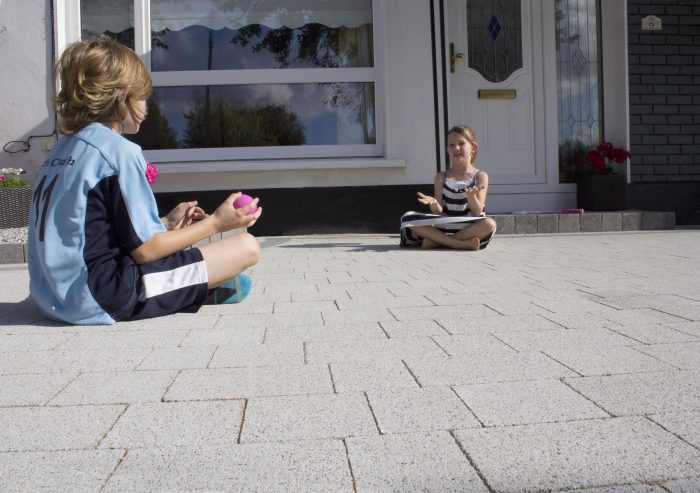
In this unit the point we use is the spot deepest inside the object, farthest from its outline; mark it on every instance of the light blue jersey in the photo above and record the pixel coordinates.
(92, 205)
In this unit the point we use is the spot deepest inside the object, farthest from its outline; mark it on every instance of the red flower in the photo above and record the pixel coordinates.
(601, 158)
(596, 160)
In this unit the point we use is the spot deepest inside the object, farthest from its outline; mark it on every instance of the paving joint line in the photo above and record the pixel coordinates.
(452, 388)
(471, 462)
(347, 458)
(374, 416)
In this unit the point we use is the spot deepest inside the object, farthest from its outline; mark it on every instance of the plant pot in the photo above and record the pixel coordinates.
(601, 193)
(14, 206)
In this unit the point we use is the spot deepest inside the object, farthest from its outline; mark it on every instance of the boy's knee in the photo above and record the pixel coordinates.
(252, 247)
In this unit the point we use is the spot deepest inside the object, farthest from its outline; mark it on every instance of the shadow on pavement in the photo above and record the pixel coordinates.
(25, 312)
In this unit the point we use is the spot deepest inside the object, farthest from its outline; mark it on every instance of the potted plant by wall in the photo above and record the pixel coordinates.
(15, 198)
(600, 187)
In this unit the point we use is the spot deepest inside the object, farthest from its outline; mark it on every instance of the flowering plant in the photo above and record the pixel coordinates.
(600, 160)
(9, 177)
(151, 172)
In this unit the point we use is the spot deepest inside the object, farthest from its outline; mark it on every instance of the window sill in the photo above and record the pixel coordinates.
(279, 165)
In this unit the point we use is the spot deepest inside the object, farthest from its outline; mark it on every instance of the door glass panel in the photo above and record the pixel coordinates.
(114, 18)
(260, 34)
(578, 83)
(494, 33)
(340, 113)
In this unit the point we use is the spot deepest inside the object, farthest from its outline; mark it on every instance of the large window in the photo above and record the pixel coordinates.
(578, 83)
(250, 79)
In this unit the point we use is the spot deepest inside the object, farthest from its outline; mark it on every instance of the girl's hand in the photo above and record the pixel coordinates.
(228, 218)
(472, 191)
(427, 199)
(183, 215)
(432, 202)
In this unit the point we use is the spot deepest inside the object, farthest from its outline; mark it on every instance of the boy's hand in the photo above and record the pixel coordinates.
(183, 215)
(227, 217)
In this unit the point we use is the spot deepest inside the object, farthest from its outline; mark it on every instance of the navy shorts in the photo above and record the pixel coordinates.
(177, 283)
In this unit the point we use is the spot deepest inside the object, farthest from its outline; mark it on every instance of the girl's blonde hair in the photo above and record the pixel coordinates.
(468, 134)
(101, 81)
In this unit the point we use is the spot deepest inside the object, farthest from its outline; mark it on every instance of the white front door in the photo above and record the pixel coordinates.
(496, 84)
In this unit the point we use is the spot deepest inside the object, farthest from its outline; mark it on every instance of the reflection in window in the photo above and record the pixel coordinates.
(259, 115)
(495, 38)
(578, 83)
(195, 107)
(114, 18)
(260, 34)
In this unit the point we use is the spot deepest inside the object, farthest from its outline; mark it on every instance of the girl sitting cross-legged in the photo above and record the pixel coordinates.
(458, 214)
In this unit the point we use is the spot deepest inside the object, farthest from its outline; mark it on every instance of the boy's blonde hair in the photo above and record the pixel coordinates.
(101, 81)
(468, 134)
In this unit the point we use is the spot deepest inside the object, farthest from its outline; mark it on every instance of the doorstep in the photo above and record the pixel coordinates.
(584, 222)
(13, 253)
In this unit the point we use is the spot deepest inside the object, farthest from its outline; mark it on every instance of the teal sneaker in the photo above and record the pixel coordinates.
(232, 291)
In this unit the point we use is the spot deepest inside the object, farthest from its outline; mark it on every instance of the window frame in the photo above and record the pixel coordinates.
(68, 21)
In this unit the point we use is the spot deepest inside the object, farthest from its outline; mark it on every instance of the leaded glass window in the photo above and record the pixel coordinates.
(495, 38)
(578, 83)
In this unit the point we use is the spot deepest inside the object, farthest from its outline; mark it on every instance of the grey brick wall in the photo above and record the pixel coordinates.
(664, 78)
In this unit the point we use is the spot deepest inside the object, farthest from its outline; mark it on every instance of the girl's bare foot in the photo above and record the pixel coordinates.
(470, 244)
(428, 244)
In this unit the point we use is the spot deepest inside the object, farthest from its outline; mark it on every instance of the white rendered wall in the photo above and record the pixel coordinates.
(25, 81)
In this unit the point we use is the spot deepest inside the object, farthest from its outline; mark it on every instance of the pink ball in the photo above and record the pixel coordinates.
(244, 200)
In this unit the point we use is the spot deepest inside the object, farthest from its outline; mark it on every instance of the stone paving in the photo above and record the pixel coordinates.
(544, 363)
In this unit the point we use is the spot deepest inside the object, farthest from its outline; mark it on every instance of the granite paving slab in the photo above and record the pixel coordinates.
(578, 454)
(564, 338)
(688, 485)
(178, 358)
(309, 465)
(242, 354)
(62, 470)
(368, 375)
(537, 401)
(275, 419)
(338, 331)
(485, 368)
(176, 424)
(622, 488)
(372, 349)
(606, 361)
(430, 462)
(654, 334)
(114, 387)
(691, 328)
(642, 393)
(683, 425)
(34, 389)
(406, 410)
(684, 355)
(507, 323)
(220, 336)
(236, 383)
(55, 428)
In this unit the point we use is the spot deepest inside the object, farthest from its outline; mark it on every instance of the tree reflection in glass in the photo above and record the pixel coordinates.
(259, 115)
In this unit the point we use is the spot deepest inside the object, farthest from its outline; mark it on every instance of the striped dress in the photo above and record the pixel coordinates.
(455, 216)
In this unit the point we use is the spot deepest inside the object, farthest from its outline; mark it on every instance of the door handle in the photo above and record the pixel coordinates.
(454, 57)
